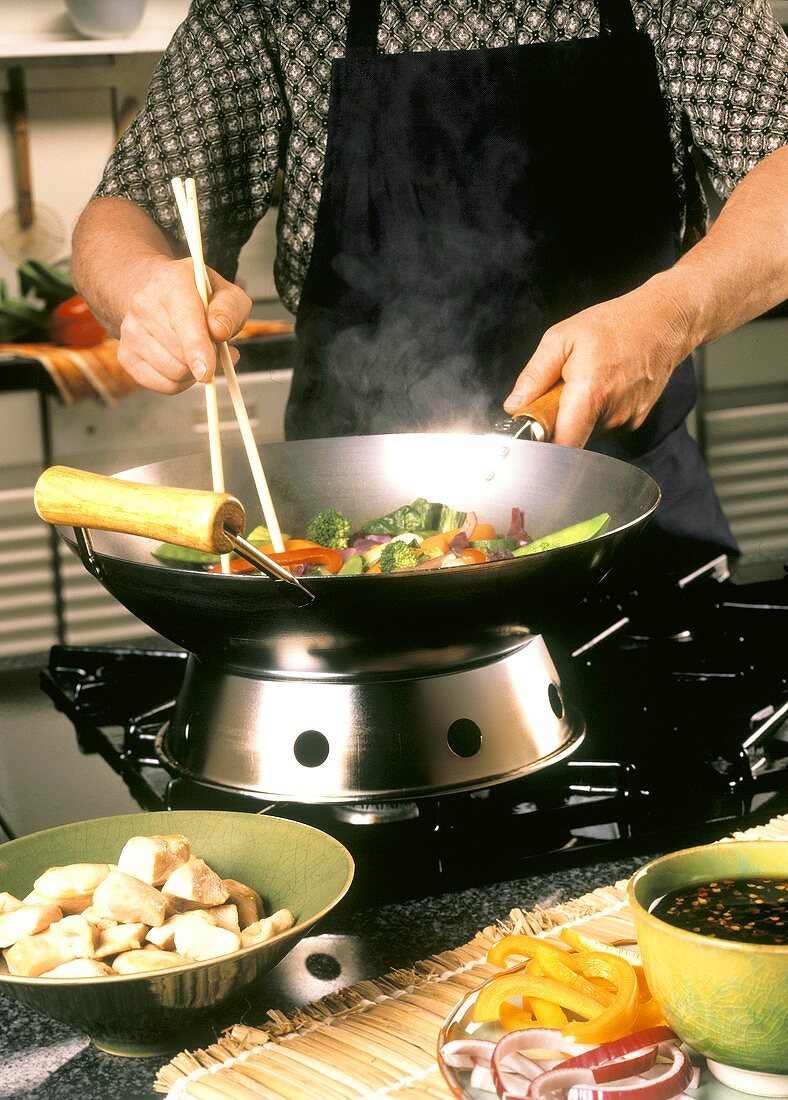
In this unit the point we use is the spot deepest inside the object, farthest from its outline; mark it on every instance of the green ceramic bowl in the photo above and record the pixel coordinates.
(728, 1000)
(293, 866)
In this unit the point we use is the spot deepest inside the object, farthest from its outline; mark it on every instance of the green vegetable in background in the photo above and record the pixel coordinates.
(420, 516)
(51, 284)
(353, 566)
(184, 555)
(398, 555)
(489, 546)
(330, 529)
(27, 319)
(567, 536)
(261, 536)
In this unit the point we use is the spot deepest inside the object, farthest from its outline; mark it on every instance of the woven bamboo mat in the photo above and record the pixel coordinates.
(377, 1039)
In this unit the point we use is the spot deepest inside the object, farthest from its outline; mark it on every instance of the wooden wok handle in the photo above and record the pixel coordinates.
(544, 410)
(186, 517)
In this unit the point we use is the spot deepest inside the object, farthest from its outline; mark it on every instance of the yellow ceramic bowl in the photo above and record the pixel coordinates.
(728, 1000)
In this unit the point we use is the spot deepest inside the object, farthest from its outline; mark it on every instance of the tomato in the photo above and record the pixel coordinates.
(73, 325)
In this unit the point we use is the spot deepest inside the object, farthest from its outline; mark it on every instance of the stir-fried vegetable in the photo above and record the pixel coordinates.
(330, 528)
(421, 535)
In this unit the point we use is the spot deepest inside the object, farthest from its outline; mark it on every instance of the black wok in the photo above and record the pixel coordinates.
(386, 625)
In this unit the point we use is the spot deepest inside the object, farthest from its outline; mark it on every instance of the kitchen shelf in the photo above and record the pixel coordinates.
(43, 30)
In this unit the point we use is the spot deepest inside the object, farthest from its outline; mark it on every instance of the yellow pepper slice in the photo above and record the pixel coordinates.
(547, 1014)
(501, 989)
(619, 1017)
(554, 962)
(582, 942)
(649, 1015)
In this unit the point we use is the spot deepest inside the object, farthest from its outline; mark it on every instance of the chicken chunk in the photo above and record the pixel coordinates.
(226, 916)
(35, 955)
(135, 962)
(267, 928)
(198, 940)
(194, 886)
(152, 859)
(164, 937)
(80, 934)
(129, 901)
(80, 968)
(119, 938)
(8, 902)
(26, 921)
(246, 899)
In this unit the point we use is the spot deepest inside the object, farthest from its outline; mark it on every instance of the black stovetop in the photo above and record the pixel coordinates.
(684, 687)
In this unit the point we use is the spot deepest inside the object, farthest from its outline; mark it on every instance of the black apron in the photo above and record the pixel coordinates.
(470, 200)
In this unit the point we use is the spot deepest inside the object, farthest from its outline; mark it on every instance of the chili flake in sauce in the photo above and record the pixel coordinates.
(750, 910)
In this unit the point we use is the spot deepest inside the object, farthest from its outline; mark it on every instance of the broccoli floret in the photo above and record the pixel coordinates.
(398, 555)
(330, 528)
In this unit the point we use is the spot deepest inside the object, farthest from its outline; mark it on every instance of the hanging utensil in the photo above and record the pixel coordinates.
(29, 230)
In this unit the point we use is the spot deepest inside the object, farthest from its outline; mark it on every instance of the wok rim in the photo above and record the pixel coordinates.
(620, 530)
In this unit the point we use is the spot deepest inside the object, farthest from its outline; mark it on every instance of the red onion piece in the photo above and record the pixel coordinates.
(695, 1079)
(619, 1048)
(630, 1065)
(469, 526)
(467, 1053)
(560, 1080)
(511, 1070)
(433, 563)
(672, 1080)
(459, 543)
(481, 1078)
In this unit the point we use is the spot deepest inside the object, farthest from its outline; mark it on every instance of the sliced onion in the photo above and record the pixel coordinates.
(481, 1078)
(672, 1080)
(560, 1080)
(450, 561)
(467, 1053)
(469, 526)
(511, 1070)
(630, 1065)
(620, 1048)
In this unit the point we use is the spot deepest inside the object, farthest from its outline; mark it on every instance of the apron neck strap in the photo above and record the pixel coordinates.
(615, 17)
(362, 26)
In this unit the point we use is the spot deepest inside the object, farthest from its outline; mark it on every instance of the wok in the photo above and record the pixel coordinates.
(380, 625)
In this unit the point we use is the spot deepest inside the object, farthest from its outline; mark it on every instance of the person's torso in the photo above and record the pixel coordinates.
(311, 37)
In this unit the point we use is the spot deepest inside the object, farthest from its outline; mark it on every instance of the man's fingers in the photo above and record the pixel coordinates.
(541, 372)
(228, 309)
(187, 318)
(577, 416)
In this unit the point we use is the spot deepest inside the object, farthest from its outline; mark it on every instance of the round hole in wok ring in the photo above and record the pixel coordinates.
(385, 624)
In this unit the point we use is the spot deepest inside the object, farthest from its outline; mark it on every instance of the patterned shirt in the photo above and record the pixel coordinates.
(243, 89)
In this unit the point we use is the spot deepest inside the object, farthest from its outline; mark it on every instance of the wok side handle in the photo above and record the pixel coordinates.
(186, 517)
(537, 419)
(196, 518)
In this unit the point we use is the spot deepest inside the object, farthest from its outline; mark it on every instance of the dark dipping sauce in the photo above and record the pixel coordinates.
(749, 910)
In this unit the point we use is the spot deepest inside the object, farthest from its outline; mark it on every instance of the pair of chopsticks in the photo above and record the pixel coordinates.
(186, 198)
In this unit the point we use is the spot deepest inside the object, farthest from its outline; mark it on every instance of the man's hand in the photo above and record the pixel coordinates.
(616, 358)
(166, 342)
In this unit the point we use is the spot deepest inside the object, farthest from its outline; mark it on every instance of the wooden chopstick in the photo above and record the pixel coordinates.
(194, 238)
(211, 401)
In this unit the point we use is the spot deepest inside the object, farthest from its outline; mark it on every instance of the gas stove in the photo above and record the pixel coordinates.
(683, 685)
